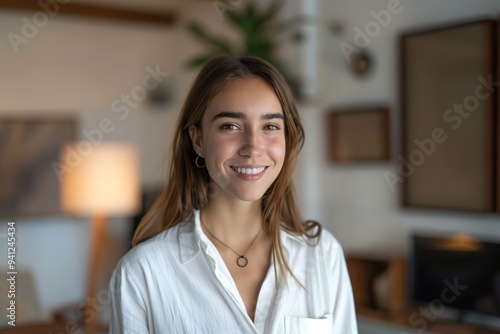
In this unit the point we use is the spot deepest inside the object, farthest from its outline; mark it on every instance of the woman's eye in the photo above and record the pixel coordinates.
(272, 127)
(229, 126)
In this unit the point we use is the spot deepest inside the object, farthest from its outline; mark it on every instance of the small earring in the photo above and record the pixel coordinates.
(197, 163)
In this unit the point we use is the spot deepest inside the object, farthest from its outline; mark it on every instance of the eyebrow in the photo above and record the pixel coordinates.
(240, 115)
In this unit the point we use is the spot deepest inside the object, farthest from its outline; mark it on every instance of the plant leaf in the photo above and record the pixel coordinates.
(235, 17)
(245, 19)
(196, 30)
(215, 43)
(270, 13)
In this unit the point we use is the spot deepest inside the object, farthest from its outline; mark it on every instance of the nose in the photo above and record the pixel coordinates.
(252, 145)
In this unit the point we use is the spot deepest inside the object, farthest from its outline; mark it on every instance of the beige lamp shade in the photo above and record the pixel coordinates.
(101, 179)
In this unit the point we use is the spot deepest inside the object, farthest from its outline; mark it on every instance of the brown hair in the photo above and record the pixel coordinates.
(187, 189)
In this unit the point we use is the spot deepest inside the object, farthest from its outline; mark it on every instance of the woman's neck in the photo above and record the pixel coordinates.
(232, 222)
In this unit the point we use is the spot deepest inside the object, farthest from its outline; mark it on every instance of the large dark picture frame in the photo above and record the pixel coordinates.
(28, 148)
(497, 115)
(449, 124)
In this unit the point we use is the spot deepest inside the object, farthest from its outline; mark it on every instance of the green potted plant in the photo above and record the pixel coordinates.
(262, 33)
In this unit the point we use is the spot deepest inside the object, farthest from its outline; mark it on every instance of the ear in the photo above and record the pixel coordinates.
(195, 134)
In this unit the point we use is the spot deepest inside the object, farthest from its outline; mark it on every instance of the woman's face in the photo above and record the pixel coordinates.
(242, 140)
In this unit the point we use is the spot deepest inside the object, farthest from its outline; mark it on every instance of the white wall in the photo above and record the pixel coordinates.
(79, 67)
(354, 202)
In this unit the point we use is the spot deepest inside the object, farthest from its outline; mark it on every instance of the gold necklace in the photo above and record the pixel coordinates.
(242, 260)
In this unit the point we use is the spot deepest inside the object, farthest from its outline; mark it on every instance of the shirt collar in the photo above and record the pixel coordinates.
(192, 238)
(284, 235)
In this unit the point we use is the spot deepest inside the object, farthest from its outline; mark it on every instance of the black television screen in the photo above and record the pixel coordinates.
(458, 272)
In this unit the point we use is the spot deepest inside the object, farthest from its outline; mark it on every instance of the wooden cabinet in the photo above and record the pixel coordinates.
(369, 274)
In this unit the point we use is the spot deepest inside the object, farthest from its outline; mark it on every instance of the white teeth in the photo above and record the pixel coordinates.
(252, 171)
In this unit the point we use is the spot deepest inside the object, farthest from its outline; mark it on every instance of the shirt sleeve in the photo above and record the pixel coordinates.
(128, 310)
(344, 314)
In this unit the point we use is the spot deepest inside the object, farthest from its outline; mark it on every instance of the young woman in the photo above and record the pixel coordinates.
(223, 249)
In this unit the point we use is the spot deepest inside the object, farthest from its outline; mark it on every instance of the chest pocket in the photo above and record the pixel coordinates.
(297, 325)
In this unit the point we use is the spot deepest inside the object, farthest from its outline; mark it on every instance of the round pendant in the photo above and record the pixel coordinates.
(242, 261)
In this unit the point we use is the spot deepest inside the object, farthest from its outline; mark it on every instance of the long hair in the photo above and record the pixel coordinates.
(187, 189)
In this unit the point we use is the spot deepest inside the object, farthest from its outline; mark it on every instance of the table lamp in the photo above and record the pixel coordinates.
(99, 181)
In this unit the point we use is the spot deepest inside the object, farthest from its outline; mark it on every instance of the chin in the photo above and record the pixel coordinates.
(250, 196)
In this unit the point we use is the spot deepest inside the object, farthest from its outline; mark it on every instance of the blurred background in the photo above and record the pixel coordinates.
(401, 151)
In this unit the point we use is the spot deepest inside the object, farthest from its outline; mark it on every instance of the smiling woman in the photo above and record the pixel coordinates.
(224, 249)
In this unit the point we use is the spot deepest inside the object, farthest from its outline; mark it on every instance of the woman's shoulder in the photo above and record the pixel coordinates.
(328, 239)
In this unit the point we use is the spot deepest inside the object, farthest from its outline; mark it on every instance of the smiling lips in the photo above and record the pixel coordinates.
(249, 174)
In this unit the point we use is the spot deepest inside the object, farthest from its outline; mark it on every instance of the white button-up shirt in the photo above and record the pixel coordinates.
(177, 282)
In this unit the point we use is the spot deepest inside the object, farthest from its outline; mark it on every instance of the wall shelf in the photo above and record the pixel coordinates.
(93, 11)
